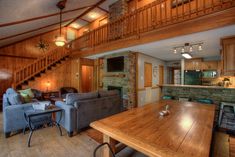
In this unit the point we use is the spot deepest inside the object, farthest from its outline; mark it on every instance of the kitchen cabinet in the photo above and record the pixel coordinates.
(228, 56)
(210, 65)
(193, 64)
(198, 64)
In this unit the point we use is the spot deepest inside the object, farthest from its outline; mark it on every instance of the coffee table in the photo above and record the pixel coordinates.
(37, 118)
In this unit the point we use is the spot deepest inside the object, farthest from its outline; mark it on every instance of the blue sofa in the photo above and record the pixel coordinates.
(80, 109)
(13, 112)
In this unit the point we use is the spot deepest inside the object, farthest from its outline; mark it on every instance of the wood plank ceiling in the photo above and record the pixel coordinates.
(23, 19)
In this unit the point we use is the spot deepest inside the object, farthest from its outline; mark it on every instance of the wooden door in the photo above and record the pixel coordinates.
(147, 75)
(161, 74)
(87, 78)
(228, 56)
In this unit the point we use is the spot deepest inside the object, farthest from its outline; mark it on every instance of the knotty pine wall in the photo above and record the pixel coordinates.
(19, 54)
(64, 75)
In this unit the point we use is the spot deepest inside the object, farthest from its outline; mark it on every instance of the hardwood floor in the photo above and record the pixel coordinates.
(47, 143)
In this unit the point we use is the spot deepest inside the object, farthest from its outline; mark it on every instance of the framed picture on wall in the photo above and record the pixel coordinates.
(176, 3)
(155, 71)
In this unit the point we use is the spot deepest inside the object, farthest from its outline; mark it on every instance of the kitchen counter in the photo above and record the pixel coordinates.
(196, 86)
(194, 92)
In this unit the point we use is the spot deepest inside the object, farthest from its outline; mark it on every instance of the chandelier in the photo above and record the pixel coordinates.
(60, 40)
(187, 49)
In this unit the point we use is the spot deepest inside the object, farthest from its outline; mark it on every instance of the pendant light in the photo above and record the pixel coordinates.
(60, 40)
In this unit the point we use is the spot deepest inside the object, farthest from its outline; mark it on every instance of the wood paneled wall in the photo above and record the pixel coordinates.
(91, 26)
(64, 75)
(25, 52)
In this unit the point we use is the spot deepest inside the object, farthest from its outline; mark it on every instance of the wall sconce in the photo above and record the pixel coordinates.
(48, 84)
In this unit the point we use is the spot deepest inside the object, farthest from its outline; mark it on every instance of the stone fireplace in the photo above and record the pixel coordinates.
(116, 88)
(124, 81)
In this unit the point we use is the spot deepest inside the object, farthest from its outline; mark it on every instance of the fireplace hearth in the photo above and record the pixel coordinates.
(116, 88)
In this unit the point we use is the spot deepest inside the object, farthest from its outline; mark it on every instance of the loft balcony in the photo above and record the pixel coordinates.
(155, 21)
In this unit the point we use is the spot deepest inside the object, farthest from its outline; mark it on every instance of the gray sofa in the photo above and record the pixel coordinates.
(80, 109)
(13, 111)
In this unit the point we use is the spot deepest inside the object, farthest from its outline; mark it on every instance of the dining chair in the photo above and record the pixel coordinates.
(102, 145)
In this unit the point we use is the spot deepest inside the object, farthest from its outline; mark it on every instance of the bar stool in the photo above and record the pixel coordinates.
(223, 104)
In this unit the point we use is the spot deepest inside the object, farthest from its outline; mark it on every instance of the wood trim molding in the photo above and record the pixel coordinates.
(86, 11)
(41, 17)
(14, 56)
(143, 89)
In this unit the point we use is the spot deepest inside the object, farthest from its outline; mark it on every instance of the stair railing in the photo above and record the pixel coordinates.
(155, 15)
(28, 71)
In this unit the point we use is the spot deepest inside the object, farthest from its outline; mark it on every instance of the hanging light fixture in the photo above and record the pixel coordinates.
(188, 49)
(60, 40)
(200, 47)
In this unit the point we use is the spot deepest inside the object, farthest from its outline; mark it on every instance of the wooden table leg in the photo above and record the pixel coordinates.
(111, 142)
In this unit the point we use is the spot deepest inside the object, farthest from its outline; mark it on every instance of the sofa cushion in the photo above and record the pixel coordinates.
(105, 93)
(72, 97)
(14, 99)
(27, 95)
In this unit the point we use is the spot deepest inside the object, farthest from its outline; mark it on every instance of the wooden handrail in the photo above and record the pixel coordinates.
(155, 15)
(28, 71)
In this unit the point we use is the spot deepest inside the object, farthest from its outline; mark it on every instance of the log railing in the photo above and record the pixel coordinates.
(23, 74)
(153, 16)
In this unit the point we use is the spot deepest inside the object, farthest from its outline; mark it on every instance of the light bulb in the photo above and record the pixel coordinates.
(200, 48)
(182, 50)
(175, 51)
(191, 49)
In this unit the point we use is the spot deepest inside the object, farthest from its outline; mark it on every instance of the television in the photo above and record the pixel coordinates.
(115, 64)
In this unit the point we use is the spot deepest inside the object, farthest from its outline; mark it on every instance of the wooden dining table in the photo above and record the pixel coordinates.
(185, 132)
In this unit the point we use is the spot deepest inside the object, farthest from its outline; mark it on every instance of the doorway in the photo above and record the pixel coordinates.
(87, 77)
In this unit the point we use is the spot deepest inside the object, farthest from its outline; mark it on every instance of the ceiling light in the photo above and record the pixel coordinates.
(75, 25)
(186, 55)
(60, 41)
(175, 51)
(93, 15)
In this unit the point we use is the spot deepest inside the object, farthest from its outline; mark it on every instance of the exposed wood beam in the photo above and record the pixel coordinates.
(33, 30)
(14, 56)
(86, 11)
(103, 9)
(85, 20)
(41, 17)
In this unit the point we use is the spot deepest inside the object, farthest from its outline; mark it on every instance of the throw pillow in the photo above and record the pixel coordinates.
(27, 95)
(26, 98)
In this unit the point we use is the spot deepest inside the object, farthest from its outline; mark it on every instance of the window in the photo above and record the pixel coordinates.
(147, 74)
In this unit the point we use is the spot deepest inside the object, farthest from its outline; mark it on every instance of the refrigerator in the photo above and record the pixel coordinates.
(193, 77)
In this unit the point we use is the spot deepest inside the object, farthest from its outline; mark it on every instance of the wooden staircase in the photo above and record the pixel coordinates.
(23, 76)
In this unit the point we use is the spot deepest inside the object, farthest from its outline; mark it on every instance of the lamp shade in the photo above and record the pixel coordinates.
(60, 41)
